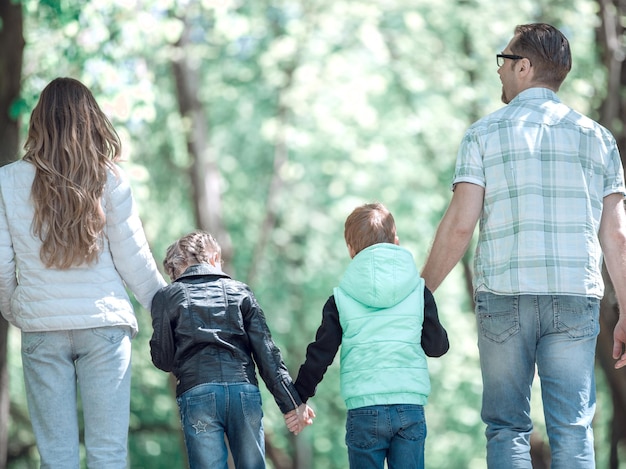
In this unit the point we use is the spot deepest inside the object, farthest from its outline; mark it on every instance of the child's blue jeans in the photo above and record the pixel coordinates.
(210, 411)
(396, 433)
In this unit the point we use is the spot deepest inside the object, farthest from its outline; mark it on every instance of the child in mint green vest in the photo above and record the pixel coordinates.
(386, 321)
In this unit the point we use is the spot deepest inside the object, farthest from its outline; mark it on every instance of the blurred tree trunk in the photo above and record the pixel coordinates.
(204, 173)
(11, 50)
(610, 36)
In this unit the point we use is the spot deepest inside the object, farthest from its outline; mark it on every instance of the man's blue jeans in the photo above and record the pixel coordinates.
(210, 411)
(557, 334)
(393, 432)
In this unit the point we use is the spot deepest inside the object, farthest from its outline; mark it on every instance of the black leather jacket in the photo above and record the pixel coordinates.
(209, 328)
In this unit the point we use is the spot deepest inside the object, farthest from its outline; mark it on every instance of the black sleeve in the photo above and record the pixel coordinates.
(434, 336)
(162, 347)
(320, 353)
(268, 357)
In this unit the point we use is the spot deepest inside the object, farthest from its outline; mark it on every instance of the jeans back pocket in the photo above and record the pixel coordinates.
(497, 316)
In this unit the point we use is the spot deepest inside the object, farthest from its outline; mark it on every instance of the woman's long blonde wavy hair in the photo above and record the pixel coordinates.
(71, 143)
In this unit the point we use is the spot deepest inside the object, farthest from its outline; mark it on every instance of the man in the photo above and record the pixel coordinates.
(548, 187)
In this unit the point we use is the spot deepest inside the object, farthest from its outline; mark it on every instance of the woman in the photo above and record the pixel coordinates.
(70, 242)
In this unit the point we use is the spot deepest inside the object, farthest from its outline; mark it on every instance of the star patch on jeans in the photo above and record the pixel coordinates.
(199, 427)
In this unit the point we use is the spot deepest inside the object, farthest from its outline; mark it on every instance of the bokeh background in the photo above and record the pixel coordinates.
(266, 123)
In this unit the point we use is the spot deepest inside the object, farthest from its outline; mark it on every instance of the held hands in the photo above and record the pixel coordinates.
(299, 418)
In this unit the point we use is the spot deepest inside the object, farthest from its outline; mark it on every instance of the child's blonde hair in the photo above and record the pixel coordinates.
(195, 248)
(367, 225)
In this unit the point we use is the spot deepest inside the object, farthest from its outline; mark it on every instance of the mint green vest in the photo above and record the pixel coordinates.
(382, 361)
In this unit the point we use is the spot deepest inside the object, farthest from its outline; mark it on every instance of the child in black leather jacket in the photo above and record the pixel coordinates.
(209, 331)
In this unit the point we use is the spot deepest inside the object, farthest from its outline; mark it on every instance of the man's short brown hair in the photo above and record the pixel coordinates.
(547, 49)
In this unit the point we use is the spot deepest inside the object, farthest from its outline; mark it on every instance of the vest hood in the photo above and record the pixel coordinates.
(380, 276)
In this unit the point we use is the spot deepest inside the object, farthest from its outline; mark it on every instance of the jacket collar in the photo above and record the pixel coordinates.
(202, 269)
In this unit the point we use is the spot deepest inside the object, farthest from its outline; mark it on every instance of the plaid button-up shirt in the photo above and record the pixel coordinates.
(546, 170)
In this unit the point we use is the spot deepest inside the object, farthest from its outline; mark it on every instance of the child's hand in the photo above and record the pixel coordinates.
(291, 420)
(299, 418)
(306, 415)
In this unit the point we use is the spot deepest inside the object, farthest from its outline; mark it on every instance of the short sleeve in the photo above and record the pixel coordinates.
(469, 161)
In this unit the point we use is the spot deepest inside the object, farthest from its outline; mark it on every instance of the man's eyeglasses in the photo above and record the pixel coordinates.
(500, 58)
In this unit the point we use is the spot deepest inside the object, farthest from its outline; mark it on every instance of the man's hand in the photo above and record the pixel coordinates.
(619, 342)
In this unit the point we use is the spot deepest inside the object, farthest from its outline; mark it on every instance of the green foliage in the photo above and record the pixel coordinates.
(369, 101)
